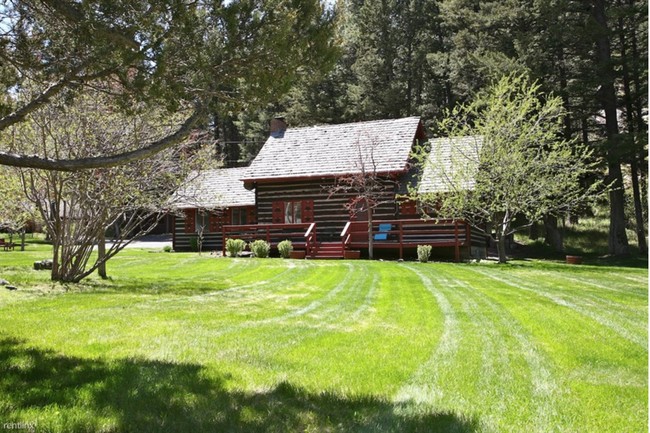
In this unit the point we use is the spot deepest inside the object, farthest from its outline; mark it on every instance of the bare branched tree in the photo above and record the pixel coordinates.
(368, 188)
(78, 208)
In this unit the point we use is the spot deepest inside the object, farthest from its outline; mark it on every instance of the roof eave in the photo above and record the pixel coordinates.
(253, 180)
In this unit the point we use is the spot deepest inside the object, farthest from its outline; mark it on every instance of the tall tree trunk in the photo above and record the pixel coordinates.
(642, 129)
(56, 267)
(617, 242)
(57, 242)
(501, 248)
(554, 236)
(502, 230)
(638, 207)
(629, 117)
(533, 231)
(564, 94)
(639, 104)
(101, 255)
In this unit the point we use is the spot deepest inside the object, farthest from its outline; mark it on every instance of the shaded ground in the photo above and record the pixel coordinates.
(141, 395)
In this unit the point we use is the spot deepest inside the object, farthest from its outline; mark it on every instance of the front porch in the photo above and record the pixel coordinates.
(397, 236)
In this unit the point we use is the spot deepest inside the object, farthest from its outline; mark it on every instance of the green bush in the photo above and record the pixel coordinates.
(234, 247)
(167, 249)
(424, 252)
(285, 247)
(260, 248)
(194, 243)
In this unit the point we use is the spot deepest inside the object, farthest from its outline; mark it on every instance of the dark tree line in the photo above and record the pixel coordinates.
(417, 57)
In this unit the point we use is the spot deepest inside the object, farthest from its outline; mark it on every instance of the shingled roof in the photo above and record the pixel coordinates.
(218, 188)
(332, 150)
(452, 161)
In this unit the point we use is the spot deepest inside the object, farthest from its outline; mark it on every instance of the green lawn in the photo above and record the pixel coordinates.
(183, 343)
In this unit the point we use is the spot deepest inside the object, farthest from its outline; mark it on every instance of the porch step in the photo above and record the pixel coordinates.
(329, 250)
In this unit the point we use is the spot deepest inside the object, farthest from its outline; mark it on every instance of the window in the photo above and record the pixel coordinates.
(190, 220)
(202, 221)
(239, 217)
(292, 212)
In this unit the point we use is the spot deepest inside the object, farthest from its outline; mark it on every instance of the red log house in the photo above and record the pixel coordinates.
(288, 193)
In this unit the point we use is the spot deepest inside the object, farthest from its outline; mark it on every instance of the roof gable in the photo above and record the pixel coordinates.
(330, 150)
(217, 188)
(452, 161)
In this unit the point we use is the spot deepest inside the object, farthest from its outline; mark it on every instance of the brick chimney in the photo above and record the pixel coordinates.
(278, 126)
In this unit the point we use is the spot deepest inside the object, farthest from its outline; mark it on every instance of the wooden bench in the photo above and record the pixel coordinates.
(6, 245)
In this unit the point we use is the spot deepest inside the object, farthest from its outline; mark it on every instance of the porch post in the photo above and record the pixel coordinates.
(223, 240)
(457, 247)
(401, 241)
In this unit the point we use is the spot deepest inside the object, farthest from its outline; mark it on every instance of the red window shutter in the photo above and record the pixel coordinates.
(408, 207)
(307, 211)
(215, 222)
(190, 220)
(277, 212)
(251, 216)
(226, 217)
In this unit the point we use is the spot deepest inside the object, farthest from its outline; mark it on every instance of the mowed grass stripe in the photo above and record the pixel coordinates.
(493, 359)
(290, 328)
(260, 310)
(564, 331)
(381, 347)
(593, 366)
(629, 312)
(616, 291)
(425, 386)
(601, 314)
(145, 314)
(531, 408)
(338, 326)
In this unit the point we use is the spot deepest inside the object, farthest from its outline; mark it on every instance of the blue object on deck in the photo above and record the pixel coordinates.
(383, 232)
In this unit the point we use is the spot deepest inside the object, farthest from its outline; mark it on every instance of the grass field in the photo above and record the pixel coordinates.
(182, 343)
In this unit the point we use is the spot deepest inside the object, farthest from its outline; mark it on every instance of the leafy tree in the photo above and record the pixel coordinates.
(170, 53)
(517, 164)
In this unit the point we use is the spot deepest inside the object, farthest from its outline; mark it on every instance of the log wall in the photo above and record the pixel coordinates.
(185, 229)
(329, 210)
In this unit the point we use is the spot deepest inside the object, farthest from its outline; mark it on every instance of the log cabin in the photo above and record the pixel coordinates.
(296, 185)
(206, 203)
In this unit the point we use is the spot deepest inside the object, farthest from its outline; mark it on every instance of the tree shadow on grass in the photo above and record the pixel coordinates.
(69, 394)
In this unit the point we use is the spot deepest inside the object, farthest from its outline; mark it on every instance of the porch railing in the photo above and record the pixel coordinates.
(302, 235)
(311, 243)
(400, 234)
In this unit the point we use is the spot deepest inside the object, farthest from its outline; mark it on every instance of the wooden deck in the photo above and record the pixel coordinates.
(397, 235)
(409, 233)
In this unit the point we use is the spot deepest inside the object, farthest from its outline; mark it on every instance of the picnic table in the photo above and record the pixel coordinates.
(6, 245)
